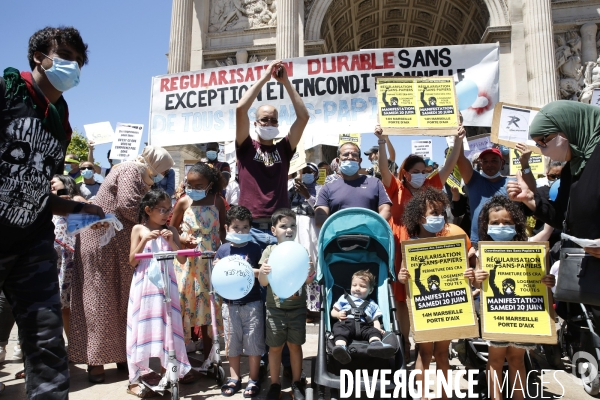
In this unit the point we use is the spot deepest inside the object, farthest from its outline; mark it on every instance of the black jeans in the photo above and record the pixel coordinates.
(30, 283)
(7, 321)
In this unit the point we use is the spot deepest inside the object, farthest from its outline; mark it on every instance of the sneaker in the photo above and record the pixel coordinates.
(341, 354)
(2, 353)
(380, 350)
(297, 391)
(17, 353)
(274, 392)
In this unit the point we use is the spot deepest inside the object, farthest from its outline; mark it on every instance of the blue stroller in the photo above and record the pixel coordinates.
(354, 239)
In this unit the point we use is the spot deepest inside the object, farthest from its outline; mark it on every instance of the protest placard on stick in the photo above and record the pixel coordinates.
(128, 138)
(510, 125)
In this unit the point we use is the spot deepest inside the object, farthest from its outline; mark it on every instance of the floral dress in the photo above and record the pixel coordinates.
(201, 222)
(64, 245)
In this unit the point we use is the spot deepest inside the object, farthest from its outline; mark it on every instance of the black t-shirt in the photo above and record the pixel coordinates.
(29, 158)
(251, 251)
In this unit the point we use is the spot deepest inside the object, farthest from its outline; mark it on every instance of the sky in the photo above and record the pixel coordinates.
(128, 42)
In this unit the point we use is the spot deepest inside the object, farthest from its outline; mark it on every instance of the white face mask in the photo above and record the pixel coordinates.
(417, 180)
(488, 176)
(266, 132)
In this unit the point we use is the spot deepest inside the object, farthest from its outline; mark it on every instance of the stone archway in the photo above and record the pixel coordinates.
(348, 25)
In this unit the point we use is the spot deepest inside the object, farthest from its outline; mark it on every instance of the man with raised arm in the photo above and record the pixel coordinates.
(263, 165)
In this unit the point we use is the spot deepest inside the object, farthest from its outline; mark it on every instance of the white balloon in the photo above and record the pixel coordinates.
(232, 277)
(289, 268)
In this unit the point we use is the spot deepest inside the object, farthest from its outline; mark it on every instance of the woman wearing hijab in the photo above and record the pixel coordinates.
(568, 131)
(102, 275)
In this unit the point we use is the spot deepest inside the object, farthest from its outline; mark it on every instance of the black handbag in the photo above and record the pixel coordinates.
(578, 278)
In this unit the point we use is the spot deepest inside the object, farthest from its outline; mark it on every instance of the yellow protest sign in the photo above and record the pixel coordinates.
(349, 137)
(536, 163)
(417, 105)
(515, 305)
(440, 301)
(322, 176)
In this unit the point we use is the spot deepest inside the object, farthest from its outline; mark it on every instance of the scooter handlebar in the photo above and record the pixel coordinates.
(185, 253)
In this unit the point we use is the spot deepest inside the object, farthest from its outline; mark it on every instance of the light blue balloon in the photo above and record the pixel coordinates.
(467, 92)
(232, 277)
(289, 269)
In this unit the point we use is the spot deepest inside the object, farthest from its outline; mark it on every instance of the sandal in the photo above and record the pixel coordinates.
(252, 389)
(142, 392)
(20, 374)
(227, 390)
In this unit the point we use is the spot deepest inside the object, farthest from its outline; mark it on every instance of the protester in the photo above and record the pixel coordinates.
(243, 319)
(425, 217)
(212, 155)
(552, 175)
(167, 183)
(89, 186)
(412, 179)
(102, 274)
(324, 165)
(200, 216)
(72, 168)
(97, 169)
(373, 154)
(28, 271)
(334, 165)
(353, 190)
(502, 220)
(263, 165)
(286, 322)
(147, 334)
(232, 189)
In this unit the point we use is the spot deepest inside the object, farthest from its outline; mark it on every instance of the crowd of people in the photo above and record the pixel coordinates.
(107, 301)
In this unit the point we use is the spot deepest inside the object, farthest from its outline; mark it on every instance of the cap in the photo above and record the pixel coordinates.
(228, 173)
(374, 149)
(493, 150)
(313, 166)
(429, 162)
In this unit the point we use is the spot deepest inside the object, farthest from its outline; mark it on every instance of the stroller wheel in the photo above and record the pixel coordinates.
(175, 391)
(220, 375)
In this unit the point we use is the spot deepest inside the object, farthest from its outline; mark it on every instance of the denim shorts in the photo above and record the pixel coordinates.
(244, 329)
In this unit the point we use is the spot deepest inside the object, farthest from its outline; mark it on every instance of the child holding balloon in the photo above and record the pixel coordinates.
(286, 320)
(243, 319)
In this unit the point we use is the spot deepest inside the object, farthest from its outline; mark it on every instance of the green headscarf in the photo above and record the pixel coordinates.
(579, 122)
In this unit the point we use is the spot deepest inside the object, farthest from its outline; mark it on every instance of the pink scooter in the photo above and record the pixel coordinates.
(170, 381)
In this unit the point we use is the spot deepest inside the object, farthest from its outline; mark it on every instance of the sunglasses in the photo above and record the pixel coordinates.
(84, 168)
(164, 211)
(266, 120)
(543, 140)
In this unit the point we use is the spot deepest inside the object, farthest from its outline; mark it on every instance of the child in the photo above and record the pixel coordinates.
(200, 215)
(243, 319)
(369, 328)
(503, 220)
(286, 320)
(425, 217)
(146, 329)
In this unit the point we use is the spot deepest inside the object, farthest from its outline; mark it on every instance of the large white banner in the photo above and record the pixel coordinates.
(338, 90)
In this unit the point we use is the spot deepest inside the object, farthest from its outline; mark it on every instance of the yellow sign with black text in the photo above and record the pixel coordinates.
(536, 163)
(515, 304)
(441, 305)
(350, 138)
(322, 176)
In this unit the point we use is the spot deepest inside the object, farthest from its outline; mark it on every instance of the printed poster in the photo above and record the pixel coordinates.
(423, 148)
(298, 161)
(99, 133)
(322, 176)
(510, 125)
(441, 305)
(515, 305)
(536, 163)
(349, 137)
(414, 105)
(128, 138)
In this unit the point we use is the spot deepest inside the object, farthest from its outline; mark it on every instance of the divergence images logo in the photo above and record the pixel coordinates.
(513, 120)
(585, 366)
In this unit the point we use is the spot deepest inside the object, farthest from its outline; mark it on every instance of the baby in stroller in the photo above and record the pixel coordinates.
(365, 323)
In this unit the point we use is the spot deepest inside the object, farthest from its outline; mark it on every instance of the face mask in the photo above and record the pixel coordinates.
(502, 233)
(434, 223)
(87, 174)
(211, 155)
(266, 132)
(508, 291)
(488, 176)
(195, 194)
(433, 287)
(63, 74)
(417, 180)
(68, 167)
(557, 149)
(308, 178)
(158, 178)
(238, 238)
(349, 167)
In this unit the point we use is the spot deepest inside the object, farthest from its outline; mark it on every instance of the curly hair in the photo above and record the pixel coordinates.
(211, 174)
(151, 199)
(70, 185)
(46, 38)
(240, 213)
(417, 208)
(498, 203)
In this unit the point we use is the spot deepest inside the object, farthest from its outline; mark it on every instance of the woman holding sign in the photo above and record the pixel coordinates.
(411, 180)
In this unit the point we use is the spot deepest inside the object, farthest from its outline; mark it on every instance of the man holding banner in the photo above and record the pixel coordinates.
(263, 165)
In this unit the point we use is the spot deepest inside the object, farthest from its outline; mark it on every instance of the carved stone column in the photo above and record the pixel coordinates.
(288, 31)
(589, 53)
(539, 51)
(180, 45)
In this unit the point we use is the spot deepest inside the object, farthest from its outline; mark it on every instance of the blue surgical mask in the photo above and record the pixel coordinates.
(308, 179)
(434, 223)
(196, 194)
(67, 168)
(502, 233)
(238, 238)
(87, 174)
(417, 180)
(349, 167)
(63, 74)
(212, 155)
(158, 178)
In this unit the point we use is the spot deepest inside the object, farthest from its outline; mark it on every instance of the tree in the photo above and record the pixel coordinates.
(78, 146)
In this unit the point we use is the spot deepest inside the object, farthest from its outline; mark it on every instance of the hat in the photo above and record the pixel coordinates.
(228, 173)
(428, 162)
(312, 166)
(374, 149)
(493, 150)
